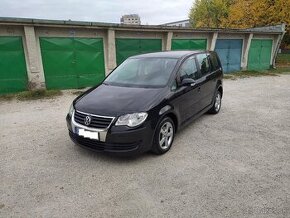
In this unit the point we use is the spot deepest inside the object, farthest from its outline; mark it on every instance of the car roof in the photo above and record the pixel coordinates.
(169, 54)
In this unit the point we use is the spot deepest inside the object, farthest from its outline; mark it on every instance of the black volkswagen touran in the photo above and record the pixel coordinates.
(145, 101)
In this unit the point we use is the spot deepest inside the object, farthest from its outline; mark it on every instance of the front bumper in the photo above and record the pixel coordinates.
(116, 139)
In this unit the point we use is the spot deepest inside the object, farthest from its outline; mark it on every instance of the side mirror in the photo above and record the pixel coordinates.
(187, 82)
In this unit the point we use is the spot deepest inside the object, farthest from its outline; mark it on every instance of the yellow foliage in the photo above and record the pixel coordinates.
(252, 13)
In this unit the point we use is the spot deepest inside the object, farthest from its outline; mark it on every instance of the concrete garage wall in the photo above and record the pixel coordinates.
(31, 30)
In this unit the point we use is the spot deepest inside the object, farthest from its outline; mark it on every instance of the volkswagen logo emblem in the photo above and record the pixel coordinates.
(88, 120)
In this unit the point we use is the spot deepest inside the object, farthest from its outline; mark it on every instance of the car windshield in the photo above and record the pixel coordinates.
(142, 72)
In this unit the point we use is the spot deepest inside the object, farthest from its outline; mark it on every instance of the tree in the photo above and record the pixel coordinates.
(209, 13)
(252, 13)
(239, 13)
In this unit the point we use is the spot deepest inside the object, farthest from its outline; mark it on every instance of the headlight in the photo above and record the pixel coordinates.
(71, 110)
(131, 120)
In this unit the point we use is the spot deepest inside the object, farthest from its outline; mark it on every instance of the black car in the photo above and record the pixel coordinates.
(146, 100)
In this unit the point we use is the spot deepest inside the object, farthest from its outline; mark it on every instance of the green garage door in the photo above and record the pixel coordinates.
(13, 74)
(260, 54)
(188, 44)
(129, 47)
(72, 62)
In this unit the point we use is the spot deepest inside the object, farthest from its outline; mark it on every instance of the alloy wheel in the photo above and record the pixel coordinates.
(217, 103)
(166, 135)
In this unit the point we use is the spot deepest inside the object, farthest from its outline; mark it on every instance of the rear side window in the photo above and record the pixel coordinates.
(214, 61)
(189, 69)
(204, 64)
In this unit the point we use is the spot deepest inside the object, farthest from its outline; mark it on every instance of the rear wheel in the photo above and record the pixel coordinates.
(217, 103)
(164, 136)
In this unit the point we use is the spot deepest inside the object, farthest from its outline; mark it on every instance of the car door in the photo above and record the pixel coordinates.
(187, 98)
(207, 81)
(215, 72)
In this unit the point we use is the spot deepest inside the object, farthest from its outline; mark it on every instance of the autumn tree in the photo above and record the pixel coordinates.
(239, 13)
(252, 13)
(209, 13)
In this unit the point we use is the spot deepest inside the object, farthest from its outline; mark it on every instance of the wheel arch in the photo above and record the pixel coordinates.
(220, 89)
(174, 118)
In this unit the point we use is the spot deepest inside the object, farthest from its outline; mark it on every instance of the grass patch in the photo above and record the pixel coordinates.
(38, 94)
(248, 73)
(6, 97)
(31, 95)
(251, 73)
(283, 59)
(281, 70)
(77, 92)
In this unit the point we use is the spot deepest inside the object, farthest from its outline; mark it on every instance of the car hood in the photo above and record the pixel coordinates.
(110, 100)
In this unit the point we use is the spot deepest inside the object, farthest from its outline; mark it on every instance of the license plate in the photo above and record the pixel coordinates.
(88, 134)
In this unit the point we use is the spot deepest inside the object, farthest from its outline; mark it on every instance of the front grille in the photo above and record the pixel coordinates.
(102, 146)
(96, 121)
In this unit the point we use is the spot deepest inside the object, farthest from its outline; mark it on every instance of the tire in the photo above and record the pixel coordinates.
(217, 103)
(162, 143)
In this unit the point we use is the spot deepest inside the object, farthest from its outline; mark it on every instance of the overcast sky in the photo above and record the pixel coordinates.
(150, 11)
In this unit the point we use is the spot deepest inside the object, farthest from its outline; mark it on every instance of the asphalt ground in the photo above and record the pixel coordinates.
(234, 164)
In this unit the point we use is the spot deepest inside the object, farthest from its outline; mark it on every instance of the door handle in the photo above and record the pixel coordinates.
(198, 89)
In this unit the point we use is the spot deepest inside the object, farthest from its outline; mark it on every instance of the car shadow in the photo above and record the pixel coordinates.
(117, 158)
(111, 157)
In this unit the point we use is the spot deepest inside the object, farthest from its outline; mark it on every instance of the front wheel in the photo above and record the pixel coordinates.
(217, 103)
(164, 136)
